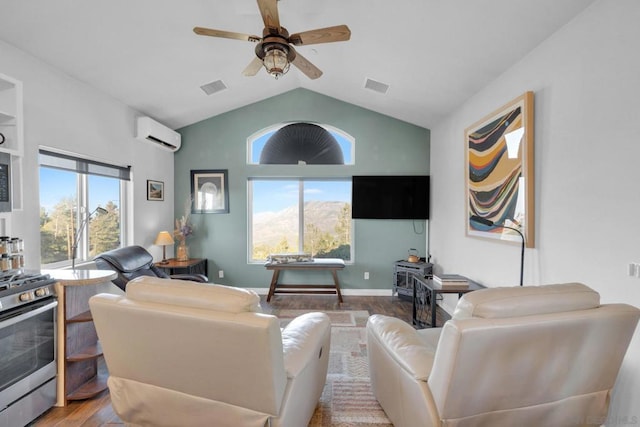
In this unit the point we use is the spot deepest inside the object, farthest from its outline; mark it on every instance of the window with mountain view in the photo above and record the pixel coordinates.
(70, 191)
(300, 216)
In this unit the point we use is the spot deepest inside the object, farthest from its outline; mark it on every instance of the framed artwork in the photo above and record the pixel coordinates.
(500, 175)
(209, 191)
(155, 190)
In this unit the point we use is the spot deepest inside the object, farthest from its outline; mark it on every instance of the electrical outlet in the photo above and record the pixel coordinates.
(366, 275)
(221, 274)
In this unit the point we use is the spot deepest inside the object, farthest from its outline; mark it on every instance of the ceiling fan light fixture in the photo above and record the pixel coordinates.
(275, 49)
(275, 60)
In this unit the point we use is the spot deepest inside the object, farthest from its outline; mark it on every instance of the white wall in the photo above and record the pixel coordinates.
(63, 113)
(586, 80)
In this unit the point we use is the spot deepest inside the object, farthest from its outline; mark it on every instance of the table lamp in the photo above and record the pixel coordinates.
(164, 239)
(489, 223)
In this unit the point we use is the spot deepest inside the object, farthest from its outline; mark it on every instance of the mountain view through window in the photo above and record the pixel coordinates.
(300, 216)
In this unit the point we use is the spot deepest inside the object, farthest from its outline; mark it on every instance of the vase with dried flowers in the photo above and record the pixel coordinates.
(183, 230)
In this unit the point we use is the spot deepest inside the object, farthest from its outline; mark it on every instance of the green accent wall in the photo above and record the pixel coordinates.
(383, 146)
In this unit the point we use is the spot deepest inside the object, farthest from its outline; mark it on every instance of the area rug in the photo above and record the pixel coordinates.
(347, 399)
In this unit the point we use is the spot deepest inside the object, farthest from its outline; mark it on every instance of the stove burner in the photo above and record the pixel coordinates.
(18, 288)
(13, 280)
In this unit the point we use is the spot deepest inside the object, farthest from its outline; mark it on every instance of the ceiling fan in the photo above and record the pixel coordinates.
(275, 49)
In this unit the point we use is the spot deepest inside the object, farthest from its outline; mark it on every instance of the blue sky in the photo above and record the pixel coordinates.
(56, 185)
(269, 195)
(275, 195)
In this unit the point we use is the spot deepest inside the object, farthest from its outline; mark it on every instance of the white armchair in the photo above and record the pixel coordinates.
(191, 354)
(522, 356)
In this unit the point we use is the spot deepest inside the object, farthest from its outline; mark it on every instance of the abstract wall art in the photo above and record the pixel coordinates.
(499, 173)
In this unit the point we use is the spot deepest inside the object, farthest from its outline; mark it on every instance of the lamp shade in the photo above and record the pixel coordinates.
(164, 238)
(308, 142)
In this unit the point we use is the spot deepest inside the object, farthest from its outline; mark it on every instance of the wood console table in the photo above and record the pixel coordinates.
(321, 264)
(78, 347)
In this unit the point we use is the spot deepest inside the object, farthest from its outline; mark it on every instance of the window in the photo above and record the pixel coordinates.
(71, 190)
(300, 215)
(291, 143)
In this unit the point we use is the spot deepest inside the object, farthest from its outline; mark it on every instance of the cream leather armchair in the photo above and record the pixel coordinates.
(189, 354)
(522, 356)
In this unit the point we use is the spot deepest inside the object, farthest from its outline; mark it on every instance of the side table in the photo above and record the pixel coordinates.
(190, 266)
(425, 292)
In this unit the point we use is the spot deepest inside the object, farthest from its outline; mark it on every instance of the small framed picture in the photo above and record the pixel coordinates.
(209, 191)
(155, 190)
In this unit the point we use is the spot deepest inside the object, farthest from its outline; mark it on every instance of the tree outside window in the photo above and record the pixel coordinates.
(67, 197)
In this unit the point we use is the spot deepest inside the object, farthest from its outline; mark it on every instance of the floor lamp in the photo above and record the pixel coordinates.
(489, 223)
(76, 239)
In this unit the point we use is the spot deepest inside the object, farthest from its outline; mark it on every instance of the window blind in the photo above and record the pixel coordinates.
(75, 164)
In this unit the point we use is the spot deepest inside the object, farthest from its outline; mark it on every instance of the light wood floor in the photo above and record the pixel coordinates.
(98, 411)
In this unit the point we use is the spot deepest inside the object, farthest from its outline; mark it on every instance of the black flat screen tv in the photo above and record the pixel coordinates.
(390, 197)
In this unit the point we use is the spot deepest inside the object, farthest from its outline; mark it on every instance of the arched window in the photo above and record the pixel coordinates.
(300, 214)
(301, 143)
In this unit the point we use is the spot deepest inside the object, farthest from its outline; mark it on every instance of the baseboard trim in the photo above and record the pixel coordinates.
(345, 292)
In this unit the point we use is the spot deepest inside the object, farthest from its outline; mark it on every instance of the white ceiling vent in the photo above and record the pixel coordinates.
(213, 87)
(376, 86)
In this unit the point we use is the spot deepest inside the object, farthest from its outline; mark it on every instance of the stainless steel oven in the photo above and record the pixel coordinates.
(27, 347)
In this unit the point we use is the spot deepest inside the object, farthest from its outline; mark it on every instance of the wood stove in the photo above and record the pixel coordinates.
(403, 273)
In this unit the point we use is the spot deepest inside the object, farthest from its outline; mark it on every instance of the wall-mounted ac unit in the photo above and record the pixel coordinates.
(149, 130)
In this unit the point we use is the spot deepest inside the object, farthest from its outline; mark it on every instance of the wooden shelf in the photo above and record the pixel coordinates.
(91, 388)
(87, 353)
(82, 317)
(79, 351)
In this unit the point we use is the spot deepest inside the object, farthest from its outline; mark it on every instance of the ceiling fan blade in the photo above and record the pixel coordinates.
(225, 34)
(269, 12)
(253, 67)
(305, 66)
(339, 33)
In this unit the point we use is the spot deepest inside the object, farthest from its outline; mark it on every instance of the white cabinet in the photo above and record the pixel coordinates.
(12, 142)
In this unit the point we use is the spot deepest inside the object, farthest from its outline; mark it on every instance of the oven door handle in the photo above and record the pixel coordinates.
(28, 314)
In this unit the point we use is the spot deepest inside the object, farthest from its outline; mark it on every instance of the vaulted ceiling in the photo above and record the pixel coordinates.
(433, 54)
